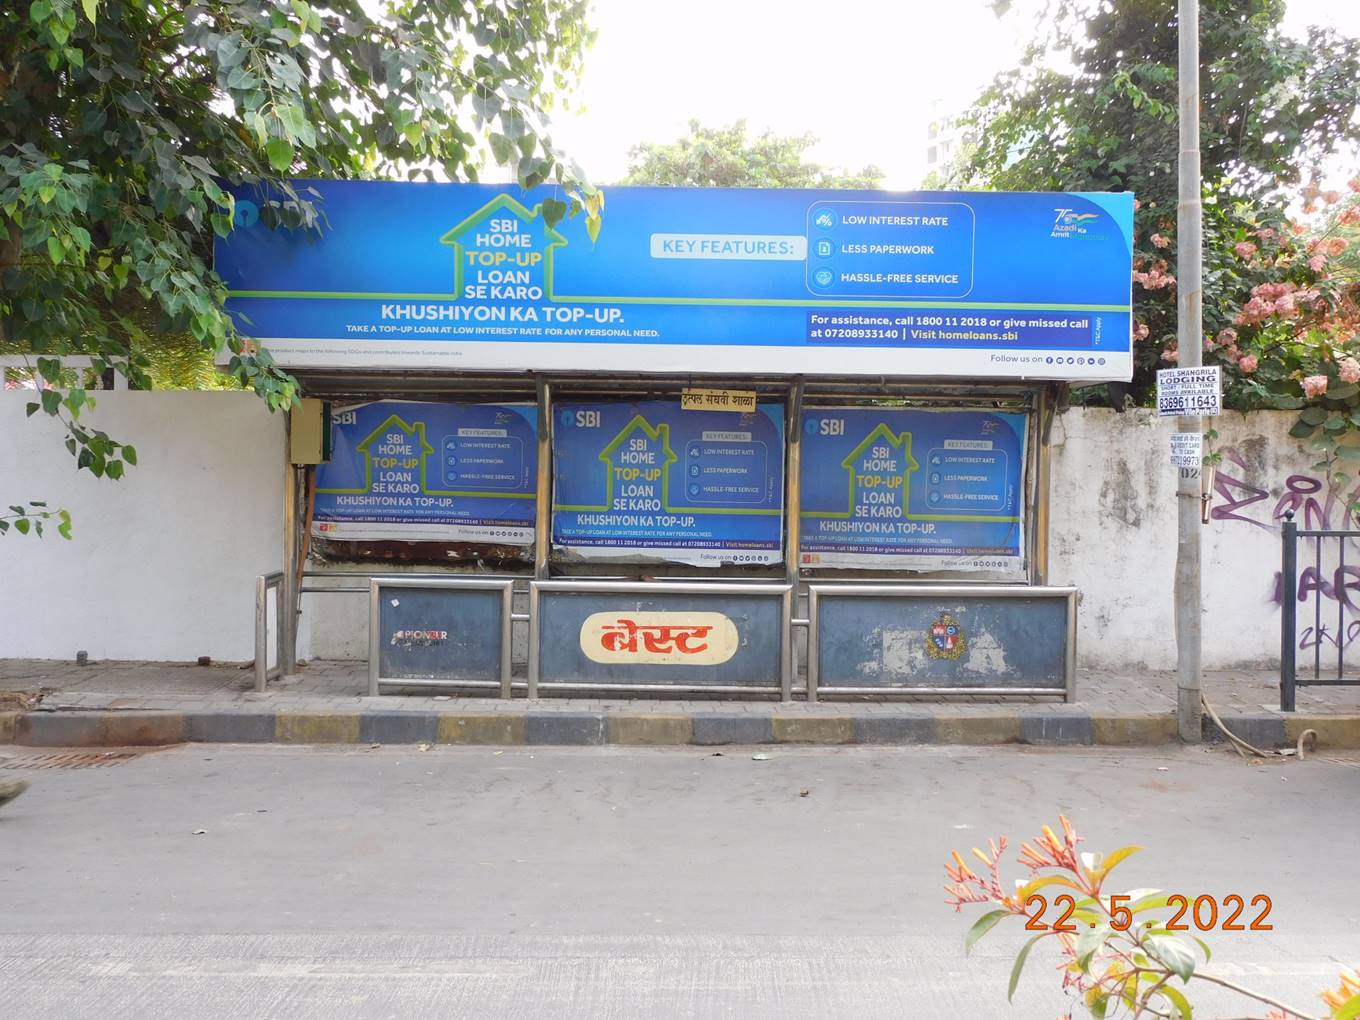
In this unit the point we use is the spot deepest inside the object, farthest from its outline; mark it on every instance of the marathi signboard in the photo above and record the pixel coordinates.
(693, 280)
(652, 481)
(411, 471)
(895, 488)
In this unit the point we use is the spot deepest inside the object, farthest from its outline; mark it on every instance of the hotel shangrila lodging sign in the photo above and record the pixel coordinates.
(692, 280)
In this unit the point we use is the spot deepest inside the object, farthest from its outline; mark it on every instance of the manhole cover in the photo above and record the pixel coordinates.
(68, 759)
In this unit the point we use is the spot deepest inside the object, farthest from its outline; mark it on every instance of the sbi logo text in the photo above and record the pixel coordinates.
(825, 427)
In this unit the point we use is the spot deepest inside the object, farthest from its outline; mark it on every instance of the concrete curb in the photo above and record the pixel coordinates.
(1061, 727)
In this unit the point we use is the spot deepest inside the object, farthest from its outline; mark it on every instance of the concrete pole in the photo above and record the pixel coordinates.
(1190, 344)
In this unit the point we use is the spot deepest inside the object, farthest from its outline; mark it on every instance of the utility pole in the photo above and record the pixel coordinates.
(1190, 345)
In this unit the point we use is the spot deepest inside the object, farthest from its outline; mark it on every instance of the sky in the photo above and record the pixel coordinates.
(867, 81)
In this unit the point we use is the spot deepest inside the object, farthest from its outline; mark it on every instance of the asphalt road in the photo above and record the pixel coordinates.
(615, 883)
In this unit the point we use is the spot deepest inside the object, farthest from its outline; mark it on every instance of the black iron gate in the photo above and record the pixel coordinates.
(1291, 535)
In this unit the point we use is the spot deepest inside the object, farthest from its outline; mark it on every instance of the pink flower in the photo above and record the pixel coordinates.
(1335, 245)
(1160, 241)
(1247, 363)
(1266, 234)
(1171, 354)
(1350, 216)
(1311, 191)
(1140, 331)
(1331, 197)
(1138, 205)
(1227, 337)
(1354, 184)
(1245, 249)
(1298, 229)
(1314, 385)
(1317, 262)
(1349, 370)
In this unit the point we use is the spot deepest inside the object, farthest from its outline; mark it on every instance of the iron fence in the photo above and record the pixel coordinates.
(1290, 537)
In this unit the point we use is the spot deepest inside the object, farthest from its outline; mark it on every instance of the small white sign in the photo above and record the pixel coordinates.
(1187, 449)
(1189, 391)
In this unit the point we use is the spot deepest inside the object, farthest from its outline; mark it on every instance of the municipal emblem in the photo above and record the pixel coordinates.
(945, 638)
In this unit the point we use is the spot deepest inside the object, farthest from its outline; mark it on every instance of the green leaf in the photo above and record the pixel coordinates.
(1349, 452)
(130, 455)
(1178, 1001)
(22, 525)
(40, 11)
(114, 469)
(1313, 415)
(56, 251)
(982, 926)
(1173, 954)
(1349, 1010)
(51, 401)
(1302, 430)
(1089, 943)
(91, 8)
(280, 152)
(1342, 391)
(1020, 965)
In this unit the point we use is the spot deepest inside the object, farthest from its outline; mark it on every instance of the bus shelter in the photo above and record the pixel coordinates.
(779, 443)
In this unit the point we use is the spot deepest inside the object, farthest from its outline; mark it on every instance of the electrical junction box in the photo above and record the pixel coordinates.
(309, 432)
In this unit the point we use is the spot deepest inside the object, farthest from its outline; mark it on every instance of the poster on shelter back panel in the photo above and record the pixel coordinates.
(900, 488)
(651, 481)
(429, 472)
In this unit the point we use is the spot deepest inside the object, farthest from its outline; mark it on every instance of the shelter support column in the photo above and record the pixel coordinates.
(543, 490)
(793, 432)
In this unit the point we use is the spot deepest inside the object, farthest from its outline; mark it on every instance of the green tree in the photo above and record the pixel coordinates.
(124, 121)
(727, 157)
(1092, 107)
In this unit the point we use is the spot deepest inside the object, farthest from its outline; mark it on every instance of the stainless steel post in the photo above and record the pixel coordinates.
(289, 591)
(261, 632)
(1190, 345)
(1044, 412)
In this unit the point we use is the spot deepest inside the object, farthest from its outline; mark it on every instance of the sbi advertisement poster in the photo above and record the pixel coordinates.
(912, 489)
(691, 280)
(422, 472)
(650, 481)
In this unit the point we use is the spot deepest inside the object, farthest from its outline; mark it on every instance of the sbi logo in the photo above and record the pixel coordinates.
(825, 427)
(247, 213)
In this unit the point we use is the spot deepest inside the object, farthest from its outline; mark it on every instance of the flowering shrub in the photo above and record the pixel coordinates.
(1120, 957)
(1281, 309)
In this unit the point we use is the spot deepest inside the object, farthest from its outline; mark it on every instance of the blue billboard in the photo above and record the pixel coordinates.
(900, 488)
(692, 280)
(651, 481)
(423, 472)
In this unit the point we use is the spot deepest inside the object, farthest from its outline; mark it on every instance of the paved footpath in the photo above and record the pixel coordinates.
(52, 703)
(615, 883)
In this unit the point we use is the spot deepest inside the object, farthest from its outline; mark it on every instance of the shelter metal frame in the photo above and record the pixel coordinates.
(1036, 399)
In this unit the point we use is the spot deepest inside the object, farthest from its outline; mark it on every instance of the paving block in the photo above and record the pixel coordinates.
(230, 727)
(398, 727)
(650, 729)
(1133, 729)
(1056, 729)
(711, 729)
(894, 729)
(565, 728)
(812, 729)
(977, 729)
(483, 728)
(1264, 731)
(1334, 731)
(316, 728)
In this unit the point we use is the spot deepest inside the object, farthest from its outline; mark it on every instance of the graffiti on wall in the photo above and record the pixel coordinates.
(1240, 495)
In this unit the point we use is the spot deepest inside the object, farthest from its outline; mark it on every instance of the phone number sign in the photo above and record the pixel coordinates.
(1189, 391)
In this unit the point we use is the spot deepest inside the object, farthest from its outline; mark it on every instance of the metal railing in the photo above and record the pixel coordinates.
(264, 584)
(1290, 535)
